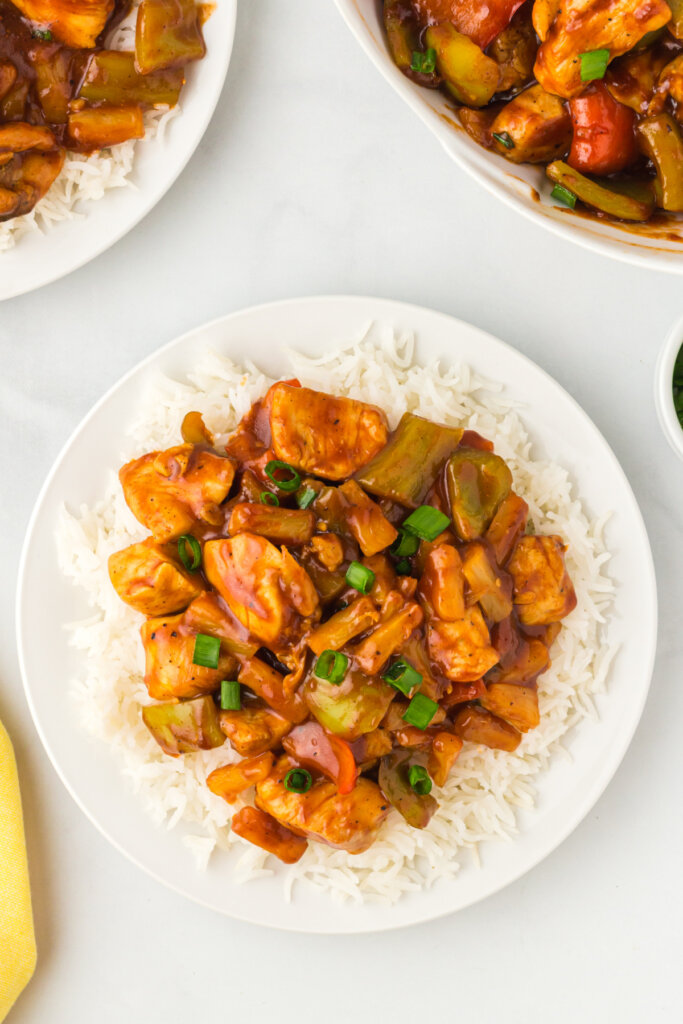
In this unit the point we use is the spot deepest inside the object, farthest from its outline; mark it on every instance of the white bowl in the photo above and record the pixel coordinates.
(657, 246)
(664, 398)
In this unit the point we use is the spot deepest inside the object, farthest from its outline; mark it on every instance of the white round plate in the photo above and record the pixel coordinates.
(46, 601)
(39, 259)
(657, 246)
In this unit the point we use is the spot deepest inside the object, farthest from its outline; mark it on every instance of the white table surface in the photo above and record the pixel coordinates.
(313, 178)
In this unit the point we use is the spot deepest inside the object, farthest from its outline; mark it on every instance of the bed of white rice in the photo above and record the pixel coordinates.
(486, 787)
(86, 178)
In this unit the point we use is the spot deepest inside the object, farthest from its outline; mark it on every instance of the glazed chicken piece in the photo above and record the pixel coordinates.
(77, 23)
(330, 437)
(169, 491)
(265, 587)
(462, 649)
(543, 592)
(149, 577)
(538, 124)
(348, 822)
(254, 729)
(578, 26)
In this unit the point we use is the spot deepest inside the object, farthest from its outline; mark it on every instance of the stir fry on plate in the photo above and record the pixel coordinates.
(345, 605)
(62, 90)
(592, 89)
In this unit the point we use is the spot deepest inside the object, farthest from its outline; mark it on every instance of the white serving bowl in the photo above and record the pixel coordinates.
(664, 399)
(657, 246)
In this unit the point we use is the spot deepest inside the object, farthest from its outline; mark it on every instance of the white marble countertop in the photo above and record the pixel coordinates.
(313, 178)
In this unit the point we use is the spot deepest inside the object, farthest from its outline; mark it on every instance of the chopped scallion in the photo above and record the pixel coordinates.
(230, 695)
(268, 498)
(298, 780)
(360, 577)
(424, 63)
(420, 711)
(419, 779)
(594, 64)
(403, 567)
(306, 498)
(405, 545)
(504, 139)
(185, 541)
(331, 666)
(426, 522)
(288, 483)
(207, 651)
(564, 196)
(402, 676)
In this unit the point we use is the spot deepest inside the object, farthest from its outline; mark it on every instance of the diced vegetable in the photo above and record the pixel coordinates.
(231, 699)
(355, 707)
(254, 729)
(360, 577)
(442, 756)
(462, 650)
(403, 677)
(341, 627)
(481, 22)
(523, 665)
(400, 25)
(262, 830)
(310, 745)
(406, 468)
(426, 522)
(518, 705)
(607, 199)
(604, 139)
(270, 685)
(386, 638)
(331, 666)
(53, 70)
(110, 77)
(168, 34)
(291, 526)
(661, 140)
(394, 782)
(490, 586)
(506, 527)
(477, 725)
(182, 727)
(442, 585)
(477, 483)
(104, 126)
(367, 522)
(194, 430)
(469, 75)
(233, 779)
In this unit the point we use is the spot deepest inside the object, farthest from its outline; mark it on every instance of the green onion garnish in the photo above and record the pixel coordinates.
(504, 139)
(298, 780)
(425, 63)
(332, 666)
(426, 522)
(563, 195)
(418, 777)
(360, 577)
(290, 483)
(405, 545)
(230, 695)
(403, 567)
(420, 711)
(306, 498)
(185, 541)
(402, 676)
(207, 650)
(268, 498)
(42, 33)
(594, 64)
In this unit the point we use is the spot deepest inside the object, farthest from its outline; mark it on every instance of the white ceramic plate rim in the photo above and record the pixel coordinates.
(333, 310)
(39, 259)
(485, 169)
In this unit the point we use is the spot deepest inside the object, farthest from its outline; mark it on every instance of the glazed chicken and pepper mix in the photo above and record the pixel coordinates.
(592, 89)
(61, 89)
(345, 605)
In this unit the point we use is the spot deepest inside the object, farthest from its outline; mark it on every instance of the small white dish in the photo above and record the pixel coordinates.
(664, 398)
(38, 259)
(657, 245)
(47, 600)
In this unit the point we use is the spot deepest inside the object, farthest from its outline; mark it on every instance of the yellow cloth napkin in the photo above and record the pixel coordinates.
(17, 941)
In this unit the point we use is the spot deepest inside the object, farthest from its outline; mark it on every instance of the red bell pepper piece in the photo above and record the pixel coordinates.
(482, 22)
(604, 139)
(331, 755)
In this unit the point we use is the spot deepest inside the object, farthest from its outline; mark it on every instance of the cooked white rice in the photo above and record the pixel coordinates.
(86, 178)
(486, 786)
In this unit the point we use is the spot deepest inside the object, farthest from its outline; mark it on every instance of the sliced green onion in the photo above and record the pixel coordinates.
(230, 695)
(298, 780)
(504, 139)
(207, 650)
(360, 577)
(425, 63)
(332, 666)
(185, 541)
(563, 195)
(306, 498)
(418, 777)
(426, 522)
(405, 545)
(403, 567)
(594, 64)
(290, 483)
(268, 498)
(420, 711)
(42, 33)
(402, 676)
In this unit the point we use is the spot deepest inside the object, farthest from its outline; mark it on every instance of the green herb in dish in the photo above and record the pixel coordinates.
(677, 385)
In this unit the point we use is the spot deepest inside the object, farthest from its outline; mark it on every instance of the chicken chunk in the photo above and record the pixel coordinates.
(331, 437)
(266, 588)
(254, 729)
(538, 124)
(462, 649)
(169, 491)
(348, 822)
(542, 590)
(77, 23)
(149, 578)
(577, 26)
(262, 830)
